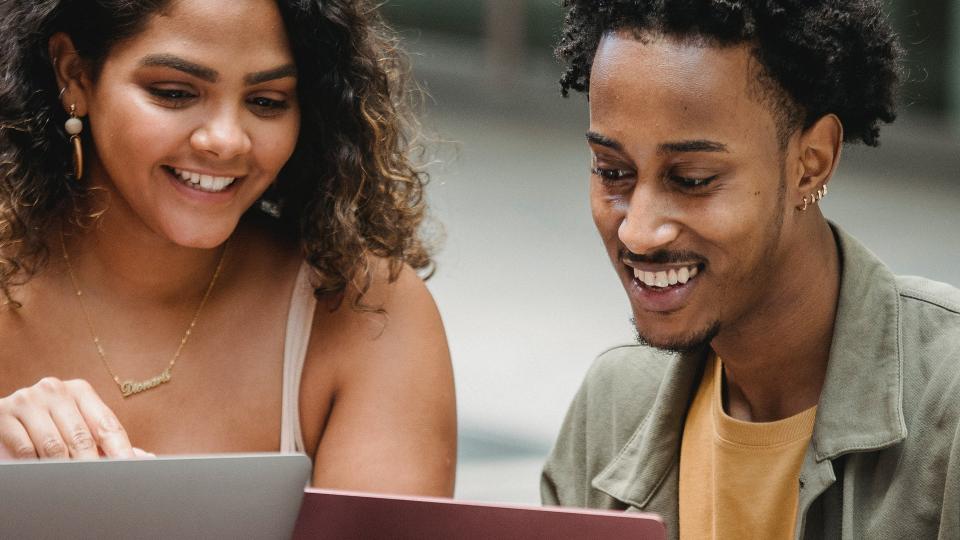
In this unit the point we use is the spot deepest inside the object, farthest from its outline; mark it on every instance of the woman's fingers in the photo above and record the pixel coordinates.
(143, 454)
(46, 438)
(60, 419)
(15, 442)
(74, 431)
(109, 435)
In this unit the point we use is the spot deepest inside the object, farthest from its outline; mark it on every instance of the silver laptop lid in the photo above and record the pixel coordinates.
(220, 496)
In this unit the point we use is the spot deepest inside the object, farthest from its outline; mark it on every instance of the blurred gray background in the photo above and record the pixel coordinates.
(526, 292)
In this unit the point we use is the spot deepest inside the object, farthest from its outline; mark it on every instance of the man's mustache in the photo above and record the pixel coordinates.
(662, 257)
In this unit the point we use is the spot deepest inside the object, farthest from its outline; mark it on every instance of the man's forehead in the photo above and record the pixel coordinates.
(686, 65)
(669, 84)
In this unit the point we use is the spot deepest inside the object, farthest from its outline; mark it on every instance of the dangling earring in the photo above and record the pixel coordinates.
(74, 126)
(270, 204)
(271, 208)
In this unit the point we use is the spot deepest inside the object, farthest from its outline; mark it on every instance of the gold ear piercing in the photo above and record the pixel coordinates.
(814, 198)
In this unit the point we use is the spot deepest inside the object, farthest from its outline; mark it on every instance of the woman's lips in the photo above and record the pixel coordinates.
(200, 181)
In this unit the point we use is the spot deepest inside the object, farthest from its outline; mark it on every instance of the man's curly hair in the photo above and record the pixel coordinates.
(826, 56)
(351, 191)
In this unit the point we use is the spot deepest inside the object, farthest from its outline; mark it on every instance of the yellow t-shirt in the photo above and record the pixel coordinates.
(738, 479)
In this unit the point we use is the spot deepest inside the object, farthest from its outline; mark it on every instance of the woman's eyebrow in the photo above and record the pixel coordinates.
(287, 70)
(179, 64)
(211, 75)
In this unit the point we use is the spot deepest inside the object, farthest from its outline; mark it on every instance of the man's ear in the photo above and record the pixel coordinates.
(819, 148)
(71, 73)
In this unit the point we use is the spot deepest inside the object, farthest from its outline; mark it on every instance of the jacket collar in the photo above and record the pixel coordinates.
(644, 463)
(861, 404)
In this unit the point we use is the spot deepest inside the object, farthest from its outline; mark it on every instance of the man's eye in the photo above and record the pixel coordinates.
(610, 175)
(692, 183)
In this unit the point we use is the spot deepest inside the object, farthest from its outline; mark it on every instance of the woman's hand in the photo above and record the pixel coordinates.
(60, 419)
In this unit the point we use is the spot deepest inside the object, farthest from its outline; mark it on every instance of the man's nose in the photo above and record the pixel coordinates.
(222, 135)
(647, 225)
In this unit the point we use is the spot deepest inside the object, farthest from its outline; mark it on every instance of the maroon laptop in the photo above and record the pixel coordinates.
(361, 516)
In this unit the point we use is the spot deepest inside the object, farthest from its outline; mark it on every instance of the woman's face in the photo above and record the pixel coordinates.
(193, 118)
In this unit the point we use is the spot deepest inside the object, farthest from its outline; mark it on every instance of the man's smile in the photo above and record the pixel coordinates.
(661, 289)
(663, 278)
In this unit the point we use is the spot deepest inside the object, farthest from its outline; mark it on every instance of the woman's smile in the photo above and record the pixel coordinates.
(208, 182)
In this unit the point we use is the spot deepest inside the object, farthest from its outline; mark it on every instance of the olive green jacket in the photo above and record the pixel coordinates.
(884, 459)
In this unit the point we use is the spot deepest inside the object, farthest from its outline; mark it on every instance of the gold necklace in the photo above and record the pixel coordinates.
(130, 387)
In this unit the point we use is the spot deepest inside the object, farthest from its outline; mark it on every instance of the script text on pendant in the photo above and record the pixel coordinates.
(129, 388)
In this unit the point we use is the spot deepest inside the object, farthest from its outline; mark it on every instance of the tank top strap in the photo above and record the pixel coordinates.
(297, 338)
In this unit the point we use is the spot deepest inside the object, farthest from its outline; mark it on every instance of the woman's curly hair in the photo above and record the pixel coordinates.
(351, 191)
(826, 56)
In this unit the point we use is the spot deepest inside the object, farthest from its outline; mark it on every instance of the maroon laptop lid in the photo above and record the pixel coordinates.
(340, 514)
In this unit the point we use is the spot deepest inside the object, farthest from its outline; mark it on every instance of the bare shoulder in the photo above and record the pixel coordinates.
(395, 316)
(378, 389)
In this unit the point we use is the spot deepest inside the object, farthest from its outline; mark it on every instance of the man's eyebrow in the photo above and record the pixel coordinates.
(664, 148)
(288, 70)
(179, 64)
(602, 140)
(680, 147)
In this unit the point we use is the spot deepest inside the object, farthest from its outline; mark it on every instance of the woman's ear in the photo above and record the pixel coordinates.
(71, 73)
(820, 146)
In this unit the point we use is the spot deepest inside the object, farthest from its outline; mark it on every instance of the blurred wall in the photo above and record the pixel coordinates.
(929, 31)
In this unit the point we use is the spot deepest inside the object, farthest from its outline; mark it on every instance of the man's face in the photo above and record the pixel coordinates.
(687, 185)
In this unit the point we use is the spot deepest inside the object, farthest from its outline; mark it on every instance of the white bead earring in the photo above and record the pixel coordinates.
(74, 126)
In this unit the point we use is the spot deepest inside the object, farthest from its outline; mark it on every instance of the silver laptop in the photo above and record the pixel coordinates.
(221, 496)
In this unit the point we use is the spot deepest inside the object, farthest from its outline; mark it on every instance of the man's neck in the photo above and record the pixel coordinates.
(775, 363)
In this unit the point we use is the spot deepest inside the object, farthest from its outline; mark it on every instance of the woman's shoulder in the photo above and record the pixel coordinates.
(393, 308)
(386, 302)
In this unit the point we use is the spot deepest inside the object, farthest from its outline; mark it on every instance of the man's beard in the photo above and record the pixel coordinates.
(692, 342)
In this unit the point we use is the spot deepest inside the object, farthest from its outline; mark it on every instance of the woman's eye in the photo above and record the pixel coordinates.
(268, 106)
(610, 175)
(691, 182)
(172, 95)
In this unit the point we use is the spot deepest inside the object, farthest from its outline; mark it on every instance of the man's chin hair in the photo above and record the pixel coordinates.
(691, 342)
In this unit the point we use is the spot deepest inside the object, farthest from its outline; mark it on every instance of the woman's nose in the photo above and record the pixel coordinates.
(222, 135)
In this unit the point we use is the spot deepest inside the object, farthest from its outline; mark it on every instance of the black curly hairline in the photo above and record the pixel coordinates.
(816, 58)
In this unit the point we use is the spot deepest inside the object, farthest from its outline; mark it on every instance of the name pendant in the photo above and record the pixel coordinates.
(129, 388)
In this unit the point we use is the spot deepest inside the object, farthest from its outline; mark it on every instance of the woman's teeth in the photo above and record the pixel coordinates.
(205, 182)
(665, 279)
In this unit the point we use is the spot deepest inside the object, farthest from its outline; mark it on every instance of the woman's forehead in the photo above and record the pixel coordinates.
(246, 34)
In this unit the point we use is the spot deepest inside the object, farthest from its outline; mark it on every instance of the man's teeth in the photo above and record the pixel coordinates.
(205, 182)
(666, 278)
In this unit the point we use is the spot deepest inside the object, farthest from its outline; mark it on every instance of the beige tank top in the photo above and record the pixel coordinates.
(299, 322)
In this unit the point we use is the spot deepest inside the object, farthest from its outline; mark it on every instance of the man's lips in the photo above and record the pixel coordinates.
(664, 291)
(666, 277)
